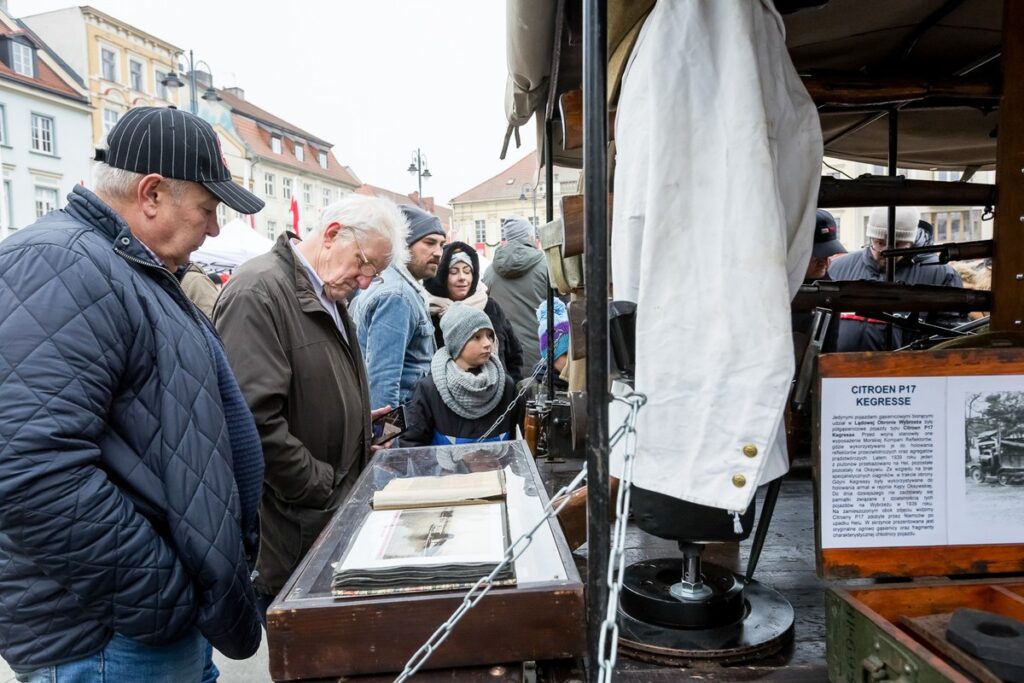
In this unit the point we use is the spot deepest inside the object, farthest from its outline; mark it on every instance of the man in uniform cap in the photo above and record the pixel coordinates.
(826, 247)
(130, 466)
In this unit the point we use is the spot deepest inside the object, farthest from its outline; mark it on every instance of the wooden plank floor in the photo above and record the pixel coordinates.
(786, 564)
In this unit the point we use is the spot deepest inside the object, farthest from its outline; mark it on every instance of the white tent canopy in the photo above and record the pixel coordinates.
(236, 244)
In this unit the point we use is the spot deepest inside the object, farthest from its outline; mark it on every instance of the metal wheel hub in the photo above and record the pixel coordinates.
(738, 622)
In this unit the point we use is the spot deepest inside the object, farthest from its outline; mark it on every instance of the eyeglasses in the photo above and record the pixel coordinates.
(366, 267)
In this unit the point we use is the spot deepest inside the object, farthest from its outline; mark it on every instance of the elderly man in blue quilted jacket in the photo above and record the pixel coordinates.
(130, 466)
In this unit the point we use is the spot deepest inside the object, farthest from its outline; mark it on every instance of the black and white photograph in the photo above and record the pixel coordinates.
(995, 438)
(428, 536)
(985, 432)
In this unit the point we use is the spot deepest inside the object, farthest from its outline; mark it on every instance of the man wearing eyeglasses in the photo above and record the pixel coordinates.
(395, 329)
(292, 345)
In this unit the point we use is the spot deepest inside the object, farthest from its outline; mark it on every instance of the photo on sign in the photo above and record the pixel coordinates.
(994, 439)
(985, 466)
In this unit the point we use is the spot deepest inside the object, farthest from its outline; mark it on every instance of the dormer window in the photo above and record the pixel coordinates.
(275, 144)
(322, 156)
(23, 59)
(300, 153)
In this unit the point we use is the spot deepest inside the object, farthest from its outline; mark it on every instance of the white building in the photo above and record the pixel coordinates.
(45, 127)
(276, 160)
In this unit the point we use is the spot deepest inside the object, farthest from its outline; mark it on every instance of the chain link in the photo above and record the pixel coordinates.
(608, 643)
(616, 560)
(481, 587)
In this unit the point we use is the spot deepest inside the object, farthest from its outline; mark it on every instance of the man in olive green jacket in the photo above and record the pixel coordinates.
(293, 348)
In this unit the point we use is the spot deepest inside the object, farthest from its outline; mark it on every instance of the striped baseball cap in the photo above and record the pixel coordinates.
(177, 145)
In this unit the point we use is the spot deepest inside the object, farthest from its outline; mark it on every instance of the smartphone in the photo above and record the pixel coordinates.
(389, 426)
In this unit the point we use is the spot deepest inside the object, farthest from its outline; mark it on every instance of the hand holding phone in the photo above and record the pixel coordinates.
(389, 426)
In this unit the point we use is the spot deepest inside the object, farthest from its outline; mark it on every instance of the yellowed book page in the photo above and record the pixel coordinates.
(451, 489)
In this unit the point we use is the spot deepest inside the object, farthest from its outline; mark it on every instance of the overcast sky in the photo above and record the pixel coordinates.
(378, 78)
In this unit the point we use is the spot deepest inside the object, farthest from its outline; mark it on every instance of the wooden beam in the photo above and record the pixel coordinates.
(1008, 230)
(840, 90)
(898, 191)
(856, 90)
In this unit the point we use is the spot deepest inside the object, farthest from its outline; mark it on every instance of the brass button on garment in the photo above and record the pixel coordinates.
(750, 450)
(739, 481)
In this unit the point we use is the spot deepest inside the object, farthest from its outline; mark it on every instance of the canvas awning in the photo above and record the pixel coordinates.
(923, 40)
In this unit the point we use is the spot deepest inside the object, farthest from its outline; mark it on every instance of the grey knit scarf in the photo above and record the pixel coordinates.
(469, 395)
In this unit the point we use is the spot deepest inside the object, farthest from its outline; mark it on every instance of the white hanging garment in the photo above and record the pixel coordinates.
(718, 162)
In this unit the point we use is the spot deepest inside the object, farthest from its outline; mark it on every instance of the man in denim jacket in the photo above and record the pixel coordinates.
(391, 317)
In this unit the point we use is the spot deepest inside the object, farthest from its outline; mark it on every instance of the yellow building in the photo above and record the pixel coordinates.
(121, 65)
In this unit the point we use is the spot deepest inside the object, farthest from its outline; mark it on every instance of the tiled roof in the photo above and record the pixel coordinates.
(250, 110)
(46, 78)
(258, 140)
(442, 212)
(509, 183)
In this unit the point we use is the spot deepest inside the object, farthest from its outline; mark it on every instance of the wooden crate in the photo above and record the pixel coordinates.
(314, 635)
(896, 631)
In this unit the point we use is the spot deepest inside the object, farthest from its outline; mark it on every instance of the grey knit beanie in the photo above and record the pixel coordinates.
(518, 229)
(461, 257)
(459, 325)
(421, 224)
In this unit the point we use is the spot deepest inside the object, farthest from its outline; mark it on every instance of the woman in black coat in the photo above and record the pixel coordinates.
(458, 279)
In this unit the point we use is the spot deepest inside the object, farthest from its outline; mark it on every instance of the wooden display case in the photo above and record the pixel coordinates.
(312, 634)
(896, 631)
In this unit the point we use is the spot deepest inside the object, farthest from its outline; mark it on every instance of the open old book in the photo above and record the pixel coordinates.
(437, 491)
(425, 549)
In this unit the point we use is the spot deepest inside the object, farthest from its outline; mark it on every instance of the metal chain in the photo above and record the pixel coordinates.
(526, 386)
(481, 587)
(608, 643)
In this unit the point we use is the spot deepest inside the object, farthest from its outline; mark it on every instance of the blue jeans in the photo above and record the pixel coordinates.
(125, 660)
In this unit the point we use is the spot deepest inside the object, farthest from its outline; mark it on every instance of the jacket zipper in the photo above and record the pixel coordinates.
(164, 271)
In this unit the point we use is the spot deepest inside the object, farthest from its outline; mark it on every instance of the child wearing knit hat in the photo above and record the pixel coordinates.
(467, 390)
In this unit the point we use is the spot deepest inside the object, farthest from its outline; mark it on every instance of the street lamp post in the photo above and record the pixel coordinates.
(532, 189)
(418, 166)
(172, 80)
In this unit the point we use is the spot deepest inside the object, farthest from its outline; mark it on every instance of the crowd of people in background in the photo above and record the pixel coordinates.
(172, 447)
(166, 466)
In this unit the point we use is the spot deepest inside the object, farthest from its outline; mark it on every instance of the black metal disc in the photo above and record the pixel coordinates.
(766, 628)
(646, 596)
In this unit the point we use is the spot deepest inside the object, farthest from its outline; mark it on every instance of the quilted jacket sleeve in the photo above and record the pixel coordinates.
(64, 346)
(245, 321)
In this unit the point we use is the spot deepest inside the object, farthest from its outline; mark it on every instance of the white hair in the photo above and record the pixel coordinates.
(369, 216)
(118, 183)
